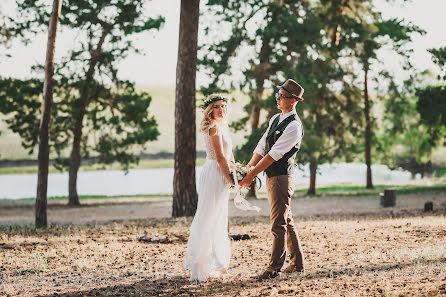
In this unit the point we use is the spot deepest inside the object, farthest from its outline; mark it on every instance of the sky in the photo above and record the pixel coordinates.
(158, 66)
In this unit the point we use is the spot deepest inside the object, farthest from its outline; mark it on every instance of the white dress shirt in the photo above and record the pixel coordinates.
(289, 138)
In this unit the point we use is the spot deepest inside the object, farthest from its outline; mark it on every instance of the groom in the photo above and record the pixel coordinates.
(275, 154)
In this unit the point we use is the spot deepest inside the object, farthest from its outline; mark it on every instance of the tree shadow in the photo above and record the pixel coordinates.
(181, 286)
(359, 270)
(174, 286)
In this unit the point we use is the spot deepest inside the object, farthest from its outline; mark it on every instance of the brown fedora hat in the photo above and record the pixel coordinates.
(293, 88)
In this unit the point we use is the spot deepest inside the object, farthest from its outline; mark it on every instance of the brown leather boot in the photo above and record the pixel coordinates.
(268, 275)
(292, 268)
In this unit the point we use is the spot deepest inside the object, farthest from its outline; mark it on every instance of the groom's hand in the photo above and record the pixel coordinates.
(246, 181)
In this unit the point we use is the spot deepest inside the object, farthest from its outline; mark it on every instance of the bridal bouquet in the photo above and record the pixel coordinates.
(238, 171)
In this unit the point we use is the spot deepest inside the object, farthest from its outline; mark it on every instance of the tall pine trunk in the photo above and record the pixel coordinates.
(255, 110)
(313, 171)
(337, 30)
(368, 135)
(255, 118)
(81, 105)
(75, 161)
(44, 129)
(184, 189)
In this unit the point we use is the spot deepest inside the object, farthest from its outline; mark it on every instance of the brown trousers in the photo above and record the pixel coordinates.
(280, 190)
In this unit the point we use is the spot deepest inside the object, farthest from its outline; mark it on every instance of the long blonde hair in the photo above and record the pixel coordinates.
(208, 118)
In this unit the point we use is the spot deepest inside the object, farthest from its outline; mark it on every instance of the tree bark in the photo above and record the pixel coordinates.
(75, 158)
(44, 129)
(337, 30)
(252, 193)
(255, 110)
(367, 136)
(184, 189)
(313, 171)
(255, 117)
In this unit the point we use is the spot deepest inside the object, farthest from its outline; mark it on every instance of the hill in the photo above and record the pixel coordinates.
(162, 107)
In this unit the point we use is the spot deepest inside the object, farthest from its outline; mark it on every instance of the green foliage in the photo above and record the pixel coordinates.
(414, 123)
(439, 58)
(21, 101)
(432, 100)
(267, 30)
(114, 132)
(404, 141)
(441, 171)
(432, 105)
(320, 44)
(292, 39)
(244, 152)
(6, 34)
(112, 116)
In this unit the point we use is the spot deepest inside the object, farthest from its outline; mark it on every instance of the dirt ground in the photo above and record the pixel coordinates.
(352, 247)
(117, 209)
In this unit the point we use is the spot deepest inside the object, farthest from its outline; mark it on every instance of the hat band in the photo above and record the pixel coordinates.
(287, 90)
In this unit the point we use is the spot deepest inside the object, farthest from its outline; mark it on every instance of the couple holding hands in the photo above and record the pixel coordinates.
(208, 249)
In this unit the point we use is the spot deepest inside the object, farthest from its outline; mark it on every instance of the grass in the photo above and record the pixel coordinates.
(143, 164)
(441, 172)
(84, 197)
(349, 191)
(331, 191)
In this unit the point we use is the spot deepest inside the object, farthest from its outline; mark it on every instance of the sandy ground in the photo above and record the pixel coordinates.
(352, 248)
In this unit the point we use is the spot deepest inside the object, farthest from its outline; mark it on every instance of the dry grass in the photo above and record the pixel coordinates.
(344, 257)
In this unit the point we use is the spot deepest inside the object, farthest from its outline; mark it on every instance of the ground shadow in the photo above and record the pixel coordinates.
(174, 286)
(180, 285)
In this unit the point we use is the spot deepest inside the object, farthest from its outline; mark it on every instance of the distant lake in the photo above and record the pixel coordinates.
(159, 180)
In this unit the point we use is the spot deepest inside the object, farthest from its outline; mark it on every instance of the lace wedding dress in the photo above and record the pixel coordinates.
(208, 247)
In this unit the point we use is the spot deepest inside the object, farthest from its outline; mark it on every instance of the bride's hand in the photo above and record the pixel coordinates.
(230, 183)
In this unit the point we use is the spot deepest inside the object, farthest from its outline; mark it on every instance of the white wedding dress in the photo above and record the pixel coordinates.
(208, 247)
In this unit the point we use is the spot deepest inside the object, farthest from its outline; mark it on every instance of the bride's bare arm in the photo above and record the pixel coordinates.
(221, 159)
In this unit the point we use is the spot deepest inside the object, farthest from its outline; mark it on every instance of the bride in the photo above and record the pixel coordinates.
(208, 248)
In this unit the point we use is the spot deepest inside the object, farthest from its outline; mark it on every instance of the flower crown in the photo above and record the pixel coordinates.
(211, 99)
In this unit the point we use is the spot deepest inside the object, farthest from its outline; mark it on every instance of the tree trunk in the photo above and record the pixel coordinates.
(75, 158)
(255, 111)
(75, 161)
(313, 171)
(252, 193)
(44, 129)
(255, 117)
(184, 189)
(337, 30)
(367, 136)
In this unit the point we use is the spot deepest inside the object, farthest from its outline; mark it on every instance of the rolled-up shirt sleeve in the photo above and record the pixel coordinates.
(289, 138)
(260, 148)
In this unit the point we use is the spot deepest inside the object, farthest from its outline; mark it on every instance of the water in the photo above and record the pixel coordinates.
(159, 180)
